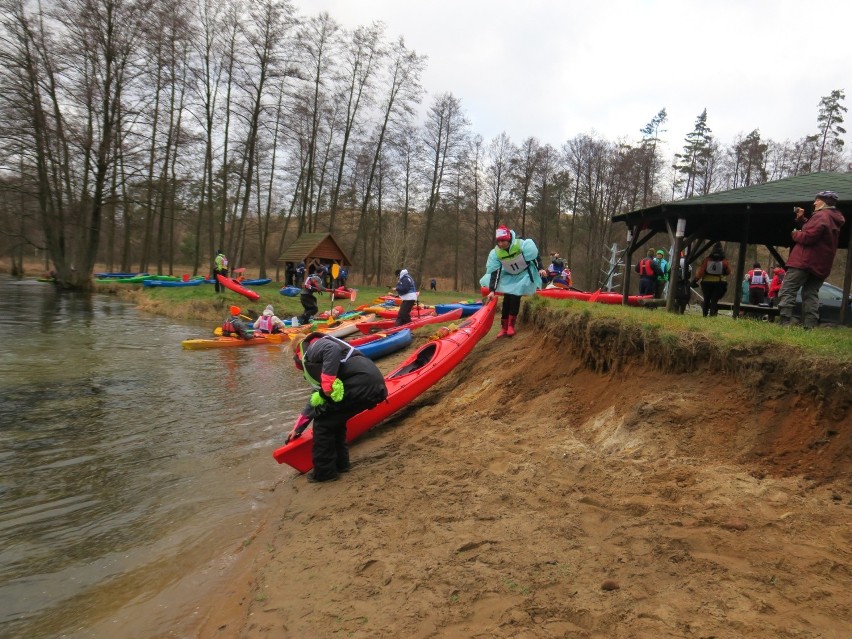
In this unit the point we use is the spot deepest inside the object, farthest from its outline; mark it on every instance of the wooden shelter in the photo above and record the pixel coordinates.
(754, 215)
(315, 249)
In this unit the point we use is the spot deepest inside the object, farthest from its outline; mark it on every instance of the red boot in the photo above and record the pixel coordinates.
(510, 329)
(505, 327)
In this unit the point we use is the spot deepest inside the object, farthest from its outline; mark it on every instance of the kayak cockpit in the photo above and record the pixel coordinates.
(424, 356)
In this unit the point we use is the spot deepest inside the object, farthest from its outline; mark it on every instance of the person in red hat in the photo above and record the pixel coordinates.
(513, 269)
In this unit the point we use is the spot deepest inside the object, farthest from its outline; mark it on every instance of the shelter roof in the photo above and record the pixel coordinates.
(758, 214)
(314, 245)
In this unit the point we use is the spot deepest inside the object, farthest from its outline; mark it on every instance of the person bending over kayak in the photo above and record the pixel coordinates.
(512, 269)
(269, 322)
(345, 382)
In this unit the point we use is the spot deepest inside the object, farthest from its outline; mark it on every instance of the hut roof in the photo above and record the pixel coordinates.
(314, 245)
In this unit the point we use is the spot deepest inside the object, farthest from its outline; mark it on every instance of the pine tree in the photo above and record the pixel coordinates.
(691, 163)
(829, 120)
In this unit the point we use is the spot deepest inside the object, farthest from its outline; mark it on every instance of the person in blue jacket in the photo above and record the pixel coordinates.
(513, 269)
(407, 291)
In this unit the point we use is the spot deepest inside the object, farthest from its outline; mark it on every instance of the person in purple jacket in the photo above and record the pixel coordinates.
(814, 246)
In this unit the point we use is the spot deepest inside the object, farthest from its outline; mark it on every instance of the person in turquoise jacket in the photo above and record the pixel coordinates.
(513, 269)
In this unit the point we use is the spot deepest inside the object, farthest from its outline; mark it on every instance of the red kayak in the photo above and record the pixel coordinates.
(388, 325)
(426, 366)
(227, 282)
(598, 296)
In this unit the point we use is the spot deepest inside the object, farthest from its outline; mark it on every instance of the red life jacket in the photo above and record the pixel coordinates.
(757, 278)
(645, 267)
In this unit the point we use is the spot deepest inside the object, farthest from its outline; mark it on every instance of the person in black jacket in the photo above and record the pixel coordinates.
(345, 382)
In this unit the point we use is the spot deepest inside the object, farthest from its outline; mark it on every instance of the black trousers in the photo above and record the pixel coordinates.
(223, 273)
(404, 314)
(330, 453)
(511, 305)
(757, 295)
(309, 303)
(713, 292)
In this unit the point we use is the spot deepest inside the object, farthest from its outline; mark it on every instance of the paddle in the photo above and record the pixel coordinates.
(335, 271)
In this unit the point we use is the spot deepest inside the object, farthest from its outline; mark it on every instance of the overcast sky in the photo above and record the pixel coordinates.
(554, 69)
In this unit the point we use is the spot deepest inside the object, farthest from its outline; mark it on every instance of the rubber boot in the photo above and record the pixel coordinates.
(510, 330)
(505, 327)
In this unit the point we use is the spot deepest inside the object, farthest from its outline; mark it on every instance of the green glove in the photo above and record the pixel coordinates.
(336, 390)
(317, 399)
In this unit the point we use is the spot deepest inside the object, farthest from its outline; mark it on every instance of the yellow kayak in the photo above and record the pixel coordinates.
(258, 339)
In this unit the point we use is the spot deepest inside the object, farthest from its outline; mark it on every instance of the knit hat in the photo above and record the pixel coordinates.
(660, 252)
(503, 234)
(829, 197)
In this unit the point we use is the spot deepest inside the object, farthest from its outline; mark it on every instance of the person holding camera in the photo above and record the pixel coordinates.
(815, 241)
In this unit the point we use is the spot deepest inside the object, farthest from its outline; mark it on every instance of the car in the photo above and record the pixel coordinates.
(830, 298)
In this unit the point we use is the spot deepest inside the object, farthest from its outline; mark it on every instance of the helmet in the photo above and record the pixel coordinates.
(503, 234)
(829, 197)
(235, 310)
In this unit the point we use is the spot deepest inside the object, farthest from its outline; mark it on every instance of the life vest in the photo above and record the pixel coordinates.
(312, 283)
(221, 262)
(646, 267)
(757, 278)
(309, 377)
(229, 326)
(512, 259)
(265, 323)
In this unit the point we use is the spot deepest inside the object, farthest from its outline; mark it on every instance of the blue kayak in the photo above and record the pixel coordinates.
(467, 309)
(386, 345)
(290, 291)
(258, 282)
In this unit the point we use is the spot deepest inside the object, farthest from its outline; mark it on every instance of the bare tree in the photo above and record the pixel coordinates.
(317, 39)
(500, 152)
(270, 21)
(362, 57)
(403, 93)
(444, 138)
(68, 58)
(523, 168)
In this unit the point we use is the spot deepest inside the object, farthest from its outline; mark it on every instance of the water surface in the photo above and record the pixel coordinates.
(126, 463)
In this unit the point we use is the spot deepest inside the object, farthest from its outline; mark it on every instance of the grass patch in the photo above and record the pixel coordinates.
(829, 342)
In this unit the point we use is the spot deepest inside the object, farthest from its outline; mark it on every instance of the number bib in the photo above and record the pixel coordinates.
(514, 265)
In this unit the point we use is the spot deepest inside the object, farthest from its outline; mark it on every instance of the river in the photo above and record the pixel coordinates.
(130, 469)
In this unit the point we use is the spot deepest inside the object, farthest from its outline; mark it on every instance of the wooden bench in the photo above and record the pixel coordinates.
(752, 310)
